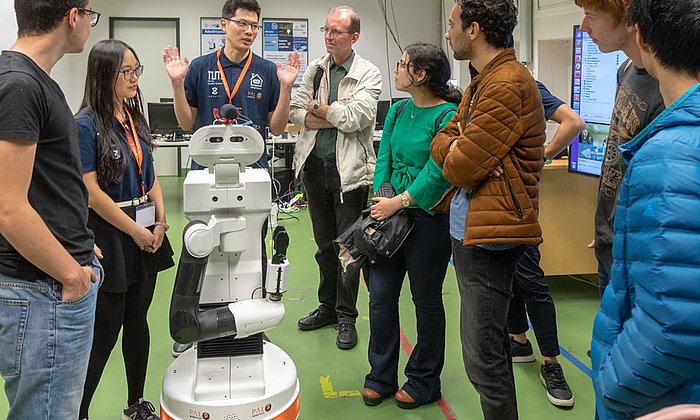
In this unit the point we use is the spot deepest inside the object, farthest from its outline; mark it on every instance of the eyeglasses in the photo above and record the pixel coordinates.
(332, 32)
(244, 25)
(93, 15)
(130, 73)
(402, 65)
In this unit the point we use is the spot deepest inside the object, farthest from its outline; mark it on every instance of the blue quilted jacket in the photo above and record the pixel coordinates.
(646, 337)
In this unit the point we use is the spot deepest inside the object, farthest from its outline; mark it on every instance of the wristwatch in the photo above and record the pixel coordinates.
(316, 107)
(404, 200)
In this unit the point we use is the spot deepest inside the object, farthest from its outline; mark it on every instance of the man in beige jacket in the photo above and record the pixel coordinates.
(336, 106)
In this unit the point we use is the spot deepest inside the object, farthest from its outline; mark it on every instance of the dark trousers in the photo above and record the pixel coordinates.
(485, 280)
(605, 262)
(531, 292)
(424, 255)
(332, 212)
(114, 311)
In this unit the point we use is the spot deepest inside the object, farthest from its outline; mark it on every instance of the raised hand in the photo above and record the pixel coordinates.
(288, 74)
(176, 69)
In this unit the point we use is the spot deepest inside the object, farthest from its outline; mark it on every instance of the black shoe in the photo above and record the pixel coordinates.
(347, 336)
(588, 352)
(140, 410)
(522, 353)
(558, 391)
(317, 319)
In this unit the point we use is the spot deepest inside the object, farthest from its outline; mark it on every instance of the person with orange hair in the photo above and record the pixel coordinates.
(637, 103)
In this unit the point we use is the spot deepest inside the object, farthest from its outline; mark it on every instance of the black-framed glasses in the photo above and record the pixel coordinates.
(244, 24)
(130, 73)
(402, 65)
(332, 32)
(93, 15)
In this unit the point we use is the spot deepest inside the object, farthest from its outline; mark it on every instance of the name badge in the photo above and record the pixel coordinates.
(146, 214)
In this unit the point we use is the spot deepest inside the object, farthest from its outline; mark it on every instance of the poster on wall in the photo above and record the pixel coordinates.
(282, 37)
(211, 36)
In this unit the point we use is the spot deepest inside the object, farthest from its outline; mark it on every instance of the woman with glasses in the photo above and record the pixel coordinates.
(404, 161)
(126, 214)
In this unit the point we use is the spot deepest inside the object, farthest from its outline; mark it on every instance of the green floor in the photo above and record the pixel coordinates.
(331, 379)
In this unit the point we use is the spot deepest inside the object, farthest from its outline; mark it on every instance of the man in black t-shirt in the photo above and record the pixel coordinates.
(48, 271)
(637, 103)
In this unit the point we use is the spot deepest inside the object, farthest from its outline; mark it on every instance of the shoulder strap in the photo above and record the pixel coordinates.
(440, 117)
(400, 108)
(317, 80)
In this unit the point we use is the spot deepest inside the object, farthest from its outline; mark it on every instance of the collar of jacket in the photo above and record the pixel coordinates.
(504, 56)
(355, 71)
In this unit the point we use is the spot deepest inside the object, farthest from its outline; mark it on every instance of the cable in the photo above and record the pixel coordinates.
(579, 279)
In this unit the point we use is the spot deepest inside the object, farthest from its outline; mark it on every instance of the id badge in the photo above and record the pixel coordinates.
(146, 214)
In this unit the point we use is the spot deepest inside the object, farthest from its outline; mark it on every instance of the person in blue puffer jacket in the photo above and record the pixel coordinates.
(646, 336)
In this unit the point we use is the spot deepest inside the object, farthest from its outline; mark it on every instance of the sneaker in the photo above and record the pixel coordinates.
(522, 353)
(140, 410)
(558, 391)
(178, 348)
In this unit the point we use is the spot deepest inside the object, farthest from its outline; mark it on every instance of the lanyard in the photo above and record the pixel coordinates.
(135, 146)
(240, 77)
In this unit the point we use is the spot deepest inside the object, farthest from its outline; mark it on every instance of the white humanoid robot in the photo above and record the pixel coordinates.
(220, 301)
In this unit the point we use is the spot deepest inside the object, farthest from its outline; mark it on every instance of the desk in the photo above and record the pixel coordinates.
(567, 210)
(178, 145)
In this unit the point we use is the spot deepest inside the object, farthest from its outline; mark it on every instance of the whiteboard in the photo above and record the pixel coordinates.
(8, 24)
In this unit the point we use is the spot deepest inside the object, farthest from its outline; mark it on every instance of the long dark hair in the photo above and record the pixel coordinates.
(433, 60)
(104, 62)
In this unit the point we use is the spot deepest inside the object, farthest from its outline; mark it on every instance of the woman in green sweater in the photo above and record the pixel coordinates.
(404, 161)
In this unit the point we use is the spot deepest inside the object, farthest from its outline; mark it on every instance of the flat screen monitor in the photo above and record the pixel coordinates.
(162, 120)
(382, 110)
(593, 88)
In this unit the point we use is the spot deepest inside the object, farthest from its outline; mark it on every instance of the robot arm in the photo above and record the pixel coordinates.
(239, 319)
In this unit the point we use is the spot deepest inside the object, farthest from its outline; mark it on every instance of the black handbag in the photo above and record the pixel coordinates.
(371, 237)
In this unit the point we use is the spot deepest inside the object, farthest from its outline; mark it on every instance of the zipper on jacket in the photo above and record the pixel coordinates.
(518, 207)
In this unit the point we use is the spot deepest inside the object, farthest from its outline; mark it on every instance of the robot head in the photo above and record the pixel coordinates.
(227, 143)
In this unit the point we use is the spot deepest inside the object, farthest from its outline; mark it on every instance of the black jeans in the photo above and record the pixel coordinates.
(605, 261)
(332, 212)
(425, 255)
(485, 280)
(532, 292)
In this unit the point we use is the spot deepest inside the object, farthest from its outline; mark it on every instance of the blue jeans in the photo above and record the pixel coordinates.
(424, 255)
(44, 346)
(485, 280)
(332, 212)
(532, 292)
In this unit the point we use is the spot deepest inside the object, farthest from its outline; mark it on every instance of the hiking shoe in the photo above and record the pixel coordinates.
(140, 410)
(522, 353)
(558, 391)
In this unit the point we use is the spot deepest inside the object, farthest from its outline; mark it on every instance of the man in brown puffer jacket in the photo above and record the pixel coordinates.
(492, 153)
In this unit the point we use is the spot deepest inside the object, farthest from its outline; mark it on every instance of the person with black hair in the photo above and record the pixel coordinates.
(127, 214)
(646, 334)
(404, 161)
(499, 123)
(49, 274)
(235, 75)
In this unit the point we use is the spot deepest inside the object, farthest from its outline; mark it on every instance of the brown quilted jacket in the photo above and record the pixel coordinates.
(503, 123)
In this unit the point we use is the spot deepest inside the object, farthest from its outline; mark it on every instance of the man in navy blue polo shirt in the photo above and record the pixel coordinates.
(235, 75)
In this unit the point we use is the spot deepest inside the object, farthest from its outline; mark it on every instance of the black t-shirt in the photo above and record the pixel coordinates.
(637, 103)
(33, 107)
